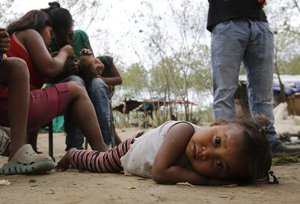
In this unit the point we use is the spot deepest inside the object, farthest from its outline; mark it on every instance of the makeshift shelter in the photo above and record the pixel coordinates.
(288, 84)
(128, 106)
(286, 91)
(147, 107)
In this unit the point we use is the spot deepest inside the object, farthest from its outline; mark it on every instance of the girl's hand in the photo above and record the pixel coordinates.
(262, 2)
(4, 40)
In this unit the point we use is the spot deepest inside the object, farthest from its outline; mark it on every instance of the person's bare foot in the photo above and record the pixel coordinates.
(63, 163)
(139, 134)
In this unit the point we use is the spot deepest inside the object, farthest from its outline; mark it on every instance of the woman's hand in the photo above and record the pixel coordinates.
(68, 49)
(4, 40)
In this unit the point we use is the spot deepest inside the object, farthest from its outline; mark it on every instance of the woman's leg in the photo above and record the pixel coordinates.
(47, 103)
(14, 74)
(84, 114)
(74, 136)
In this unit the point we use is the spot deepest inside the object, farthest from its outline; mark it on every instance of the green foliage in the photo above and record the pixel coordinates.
(134, 81)
(291, 67)
(282, 158)
(174, 54)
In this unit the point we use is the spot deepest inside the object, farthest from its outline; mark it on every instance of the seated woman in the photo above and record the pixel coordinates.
(63, 34)
(13, 141)
(29, 38)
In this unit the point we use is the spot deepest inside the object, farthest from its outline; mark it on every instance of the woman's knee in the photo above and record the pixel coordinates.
(98, 83)
(76, 90)
(74, 78)
(16, 70)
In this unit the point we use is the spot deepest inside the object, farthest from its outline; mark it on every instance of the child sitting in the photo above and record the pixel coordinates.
(178, 151)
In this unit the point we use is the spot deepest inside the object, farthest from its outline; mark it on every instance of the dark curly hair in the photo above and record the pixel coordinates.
(255, 151)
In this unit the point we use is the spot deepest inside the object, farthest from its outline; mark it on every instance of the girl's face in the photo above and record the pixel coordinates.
(46, 35)
(93, 62)
(98, 65)
(214, 151)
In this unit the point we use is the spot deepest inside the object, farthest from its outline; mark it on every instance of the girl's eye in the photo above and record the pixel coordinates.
(219, 164)
(217, 141)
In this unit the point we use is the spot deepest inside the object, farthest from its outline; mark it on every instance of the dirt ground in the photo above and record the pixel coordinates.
(73, 187)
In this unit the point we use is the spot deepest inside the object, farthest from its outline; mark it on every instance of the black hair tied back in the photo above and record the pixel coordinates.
(54, 4)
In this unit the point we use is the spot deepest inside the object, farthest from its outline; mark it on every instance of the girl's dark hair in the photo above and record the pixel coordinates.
(255, 150)
(34, 19)
(82, 68)
(85, 71)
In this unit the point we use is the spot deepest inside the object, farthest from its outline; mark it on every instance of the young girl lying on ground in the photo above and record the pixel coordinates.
(178, 151)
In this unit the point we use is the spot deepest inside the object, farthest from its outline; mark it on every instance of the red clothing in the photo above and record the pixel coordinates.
(16, 49)
(44, 105)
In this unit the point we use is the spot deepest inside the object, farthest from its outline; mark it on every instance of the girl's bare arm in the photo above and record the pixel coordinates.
(165, 170)
(115, 78)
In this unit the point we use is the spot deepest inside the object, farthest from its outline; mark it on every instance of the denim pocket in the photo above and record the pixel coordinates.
(221, 27)
(267, 26)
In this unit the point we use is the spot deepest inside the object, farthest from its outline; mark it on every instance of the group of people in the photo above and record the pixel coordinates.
(27, 43)
(42, 47)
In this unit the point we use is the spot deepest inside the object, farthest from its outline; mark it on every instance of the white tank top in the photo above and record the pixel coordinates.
(140, 157)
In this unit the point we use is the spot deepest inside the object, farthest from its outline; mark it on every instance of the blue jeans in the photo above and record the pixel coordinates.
(249, 42)
(99, 95)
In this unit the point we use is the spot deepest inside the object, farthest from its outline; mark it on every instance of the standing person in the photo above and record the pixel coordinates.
(240, 33)
(177, 151)
(63, 34)
(29, 37)
(13, 141)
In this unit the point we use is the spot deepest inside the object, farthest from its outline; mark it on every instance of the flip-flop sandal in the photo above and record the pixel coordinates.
(4, 140)
(27, 161)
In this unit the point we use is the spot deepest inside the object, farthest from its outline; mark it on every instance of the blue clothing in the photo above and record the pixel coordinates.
(250, 42)
(99, 95)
